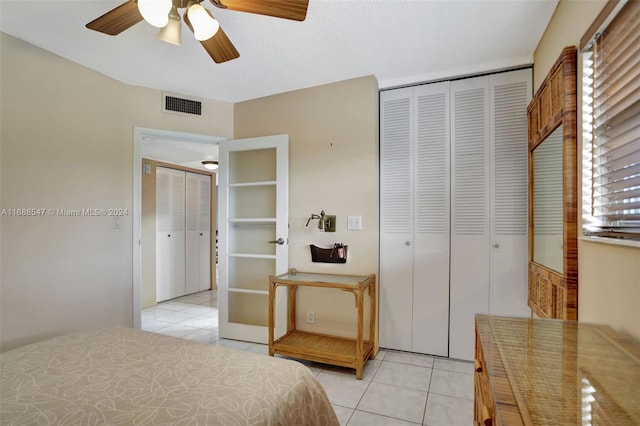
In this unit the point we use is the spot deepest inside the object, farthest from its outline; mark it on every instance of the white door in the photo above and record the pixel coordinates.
(170, 233)
(396, 221)
(431, 220)
(414, 231)
(510, 96)
(198, 262)
(489, 202)
(470, 218)
(204, 234)
(253, 225)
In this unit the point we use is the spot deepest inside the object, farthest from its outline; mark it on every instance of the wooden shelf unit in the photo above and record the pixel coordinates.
(327, 349)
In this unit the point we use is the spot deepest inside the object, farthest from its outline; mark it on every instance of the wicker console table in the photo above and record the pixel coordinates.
(554, 372)
(326, 349)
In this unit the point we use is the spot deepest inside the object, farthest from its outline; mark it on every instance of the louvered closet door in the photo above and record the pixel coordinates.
(396, 219)
(414, 267)
(198, 263)
(192, 244)
(510, 96)
(431, 220)
(470, 225)
(453, 210)
(489, 202)
(204, 234)
(170, 233)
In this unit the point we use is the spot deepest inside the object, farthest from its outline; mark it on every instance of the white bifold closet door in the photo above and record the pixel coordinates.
(489, 163)
(470, 224)
(183, 233)
(198, 236)
(453, 234)
(509, 98)
(414, 240)
(170, 233)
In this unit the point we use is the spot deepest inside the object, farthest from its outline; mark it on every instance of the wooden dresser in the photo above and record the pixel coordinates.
(554, 372)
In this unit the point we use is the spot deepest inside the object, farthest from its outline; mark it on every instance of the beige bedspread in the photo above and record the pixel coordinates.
(129, 377)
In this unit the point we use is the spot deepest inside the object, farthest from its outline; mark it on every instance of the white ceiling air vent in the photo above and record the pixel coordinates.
(175, 104)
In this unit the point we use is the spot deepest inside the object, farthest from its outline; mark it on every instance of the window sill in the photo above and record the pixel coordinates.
(612, 241)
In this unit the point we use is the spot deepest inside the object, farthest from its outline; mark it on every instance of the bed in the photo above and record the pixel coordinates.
(126, 377)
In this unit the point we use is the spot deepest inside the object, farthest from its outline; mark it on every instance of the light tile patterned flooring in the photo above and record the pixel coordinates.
(397, 388)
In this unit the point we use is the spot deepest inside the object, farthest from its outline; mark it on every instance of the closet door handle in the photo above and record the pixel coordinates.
(279, 241)
(496, 245)
(169, 235)
(407, 243)
(201, 234)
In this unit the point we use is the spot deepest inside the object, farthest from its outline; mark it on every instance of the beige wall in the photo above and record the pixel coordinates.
(609, 275)
(67, 142)
(333, 166)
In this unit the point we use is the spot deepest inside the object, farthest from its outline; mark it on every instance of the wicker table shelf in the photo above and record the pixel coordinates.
(344, 352)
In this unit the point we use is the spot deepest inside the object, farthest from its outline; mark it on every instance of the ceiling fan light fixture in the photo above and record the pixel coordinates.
(204, 25)
(155, 12)
(172, 32)
(210, 165)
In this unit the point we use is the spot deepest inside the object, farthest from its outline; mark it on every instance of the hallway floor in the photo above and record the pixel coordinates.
(397, 388)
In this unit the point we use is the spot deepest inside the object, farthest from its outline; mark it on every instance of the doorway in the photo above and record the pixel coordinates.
(186, 149)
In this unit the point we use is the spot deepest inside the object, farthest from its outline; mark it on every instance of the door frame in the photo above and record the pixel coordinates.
(139, 133)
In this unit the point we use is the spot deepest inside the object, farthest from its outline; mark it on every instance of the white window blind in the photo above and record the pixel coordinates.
(611, 125)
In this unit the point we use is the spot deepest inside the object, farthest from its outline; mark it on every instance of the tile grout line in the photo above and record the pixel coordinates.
(426, 403)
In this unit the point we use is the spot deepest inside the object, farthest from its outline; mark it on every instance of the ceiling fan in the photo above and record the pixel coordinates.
(206, 29)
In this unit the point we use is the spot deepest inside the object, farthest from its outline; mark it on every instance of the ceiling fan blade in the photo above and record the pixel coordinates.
(219, 47)
(288, 9)
(117, 20)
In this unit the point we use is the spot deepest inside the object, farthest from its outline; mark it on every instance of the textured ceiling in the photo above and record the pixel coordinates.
(181, 152)
(400, 42)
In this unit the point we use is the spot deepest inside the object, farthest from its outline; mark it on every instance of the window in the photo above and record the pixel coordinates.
(611, 122)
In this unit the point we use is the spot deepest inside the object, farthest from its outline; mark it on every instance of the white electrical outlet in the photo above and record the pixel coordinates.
(354, 222)
(311, 317)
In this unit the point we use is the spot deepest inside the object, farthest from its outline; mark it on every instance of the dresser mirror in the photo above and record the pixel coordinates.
(553, 193)
(547, 202)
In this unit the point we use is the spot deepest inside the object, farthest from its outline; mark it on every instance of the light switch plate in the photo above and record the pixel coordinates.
(354, 222)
